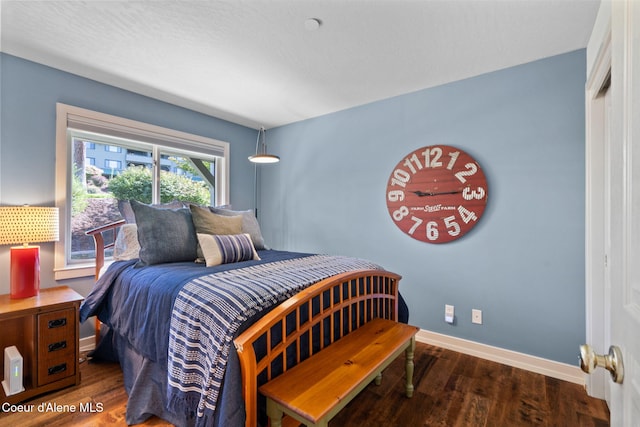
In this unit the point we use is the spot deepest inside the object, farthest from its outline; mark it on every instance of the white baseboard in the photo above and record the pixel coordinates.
(558, 370)
(561, 371)
(87, 343)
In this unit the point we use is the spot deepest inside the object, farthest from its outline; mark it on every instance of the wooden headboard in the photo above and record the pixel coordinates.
(99, 234)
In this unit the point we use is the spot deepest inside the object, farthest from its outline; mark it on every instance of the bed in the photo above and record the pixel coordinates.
(196, 339)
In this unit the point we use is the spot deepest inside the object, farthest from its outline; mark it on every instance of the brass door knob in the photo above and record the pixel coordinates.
(612, 362)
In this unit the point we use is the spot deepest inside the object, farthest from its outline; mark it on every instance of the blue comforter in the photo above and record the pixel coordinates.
(130, 299)
(137, 304)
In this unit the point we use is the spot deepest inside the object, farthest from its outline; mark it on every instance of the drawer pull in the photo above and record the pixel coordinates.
(57, 346)
(57, 369)
(57, 323)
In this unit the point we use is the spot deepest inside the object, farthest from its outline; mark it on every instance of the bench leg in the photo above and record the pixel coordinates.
(378, 379)
(274, 413)
(409, 365)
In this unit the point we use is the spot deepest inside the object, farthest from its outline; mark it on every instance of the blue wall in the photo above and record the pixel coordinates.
(29, 93)
(523, 263)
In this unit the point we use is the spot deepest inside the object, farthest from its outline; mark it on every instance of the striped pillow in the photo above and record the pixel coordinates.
(226, 248)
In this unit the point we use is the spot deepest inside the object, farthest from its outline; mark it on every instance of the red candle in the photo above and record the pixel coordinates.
(25, 271)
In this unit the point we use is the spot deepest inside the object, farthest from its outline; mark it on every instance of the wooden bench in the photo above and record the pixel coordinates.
(315, 390)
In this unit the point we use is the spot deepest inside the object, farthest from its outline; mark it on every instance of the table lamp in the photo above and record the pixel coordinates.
(27, 224)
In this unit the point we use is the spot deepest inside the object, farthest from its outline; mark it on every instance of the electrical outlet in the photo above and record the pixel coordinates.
(476, 316)
(448, 313)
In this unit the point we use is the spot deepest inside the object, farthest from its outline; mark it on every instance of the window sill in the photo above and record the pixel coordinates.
(76, 271)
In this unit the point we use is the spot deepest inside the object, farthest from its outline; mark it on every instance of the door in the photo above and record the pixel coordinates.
(618, 239)
(624, 259)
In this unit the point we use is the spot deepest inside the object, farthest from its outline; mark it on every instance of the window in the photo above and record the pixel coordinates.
(113, 165)
(140, 161)
(113, 148)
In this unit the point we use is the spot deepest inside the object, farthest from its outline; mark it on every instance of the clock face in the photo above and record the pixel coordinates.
(437, 194)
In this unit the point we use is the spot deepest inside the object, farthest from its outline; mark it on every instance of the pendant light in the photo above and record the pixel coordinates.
(261, 155)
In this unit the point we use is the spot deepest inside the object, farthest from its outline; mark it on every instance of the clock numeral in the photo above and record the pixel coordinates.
(469, 194)
(432, 162)
(432, 157)
(410, 161)
(395, 195)
(432, 230)
(471, 170)
(416, 223)
(454, 156)
(467, 215)
(400, 213)
(452, 225)
(400, 177)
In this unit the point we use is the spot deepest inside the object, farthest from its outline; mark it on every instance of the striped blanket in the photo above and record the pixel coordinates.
(209, 310)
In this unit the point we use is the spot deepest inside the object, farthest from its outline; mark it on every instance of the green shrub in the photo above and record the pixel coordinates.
(134, 183)
(179, 187)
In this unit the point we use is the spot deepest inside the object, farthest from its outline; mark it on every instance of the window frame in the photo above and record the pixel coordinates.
(68, 116)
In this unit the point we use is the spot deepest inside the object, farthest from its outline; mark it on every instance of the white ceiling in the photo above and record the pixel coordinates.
(253, 62)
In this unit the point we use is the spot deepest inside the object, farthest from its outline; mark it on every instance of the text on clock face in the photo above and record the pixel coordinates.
(437, 173)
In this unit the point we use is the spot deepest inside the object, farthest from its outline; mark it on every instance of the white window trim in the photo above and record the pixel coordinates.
(170, 137)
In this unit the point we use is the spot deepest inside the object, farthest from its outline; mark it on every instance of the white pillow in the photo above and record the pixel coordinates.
(126, 245)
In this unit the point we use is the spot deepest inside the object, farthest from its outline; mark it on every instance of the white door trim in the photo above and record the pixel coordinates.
(595, 292)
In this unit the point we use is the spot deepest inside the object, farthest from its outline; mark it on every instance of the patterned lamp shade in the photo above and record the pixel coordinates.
(24, 225)
(28, 224)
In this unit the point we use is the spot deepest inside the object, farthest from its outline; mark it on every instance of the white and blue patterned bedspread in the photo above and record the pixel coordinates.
(209, 310)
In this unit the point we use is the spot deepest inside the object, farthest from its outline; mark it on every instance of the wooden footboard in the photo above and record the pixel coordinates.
(310, 321)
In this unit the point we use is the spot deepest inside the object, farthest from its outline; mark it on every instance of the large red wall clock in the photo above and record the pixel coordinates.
(437, 194)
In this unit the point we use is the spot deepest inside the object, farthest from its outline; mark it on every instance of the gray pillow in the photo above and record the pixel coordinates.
(249, 225)
(165, 235)
(207, 222)
(124, 206)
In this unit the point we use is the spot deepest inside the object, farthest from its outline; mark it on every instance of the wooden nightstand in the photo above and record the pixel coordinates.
(45, 330)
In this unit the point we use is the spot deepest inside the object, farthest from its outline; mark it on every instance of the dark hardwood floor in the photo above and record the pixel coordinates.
(451, 389)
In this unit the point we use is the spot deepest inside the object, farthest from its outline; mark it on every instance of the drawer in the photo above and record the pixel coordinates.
(56, 345)
(54, 369)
